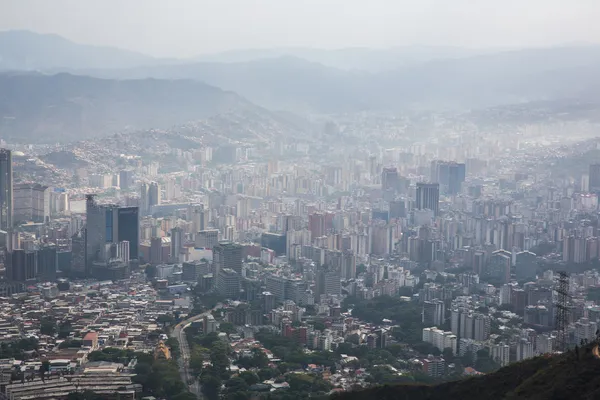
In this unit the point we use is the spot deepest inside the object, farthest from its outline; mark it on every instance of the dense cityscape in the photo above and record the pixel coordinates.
(155, 265)
(299, 199)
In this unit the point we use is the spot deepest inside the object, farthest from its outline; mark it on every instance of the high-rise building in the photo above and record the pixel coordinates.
(6, 190)
(328, 283)
(227, 255)
(47, 263)
(397, 209)
(228, 283)
(176, 243)
(207, 239)
(149, 196)
(23, 265)
(156, 251)
(125, 179)
(196, 216)
(526, 265)
(192, 271)
(348, 265)
(108, 223)
(594, 178)
(433, 313)
(275, 242)
(428, 197)
(31, 202)
(129, 229)
(499, 266)
(390, 180)
(481, 327)
(456, 177)
(449, 174)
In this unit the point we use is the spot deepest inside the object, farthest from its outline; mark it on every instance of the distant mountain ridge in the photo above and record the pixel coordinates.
(481, 81)
(350, 58)
(25, 50)
(49, 108)
(434, 78)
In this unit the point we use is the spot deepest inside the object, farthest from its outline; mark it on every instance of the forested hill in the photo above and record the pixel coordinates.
(575, 375)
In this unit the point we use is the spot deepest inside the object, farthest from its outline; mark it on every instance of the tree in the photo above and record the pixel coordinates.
(448, 354)
(265, 374)
(208, 340)
(48, 326)
(258, 359)
(150, 272)
(467, 359)
(218, 356)
(426, 348)
(250, 378)
(173, 344)
(227, 327)
(236, 384)
(485, 363)
(354, 339)
(211, 386)
(318, 325)
(185, 396)
(165, 319)
(64, 329)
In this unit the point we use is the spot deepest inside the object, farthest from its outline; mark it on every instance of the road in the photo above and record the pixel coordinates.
(184, 349)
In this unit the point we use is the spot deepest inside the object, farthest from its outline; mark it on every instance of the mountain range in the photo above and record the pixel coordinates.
(29, 50)
(101, 88)
(47, 108)
(299, 85)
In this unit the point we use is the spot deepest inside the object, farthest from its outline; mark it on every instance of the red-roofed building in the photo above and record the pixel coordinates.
(91, 340)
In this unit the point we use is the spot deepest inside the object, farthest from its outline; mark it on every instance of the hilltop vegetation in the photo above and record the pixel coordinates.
(575, 375)
(60, 107)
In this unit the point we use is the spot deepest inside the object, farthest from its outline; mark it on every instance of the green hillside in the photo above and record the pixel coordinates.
(569, 376)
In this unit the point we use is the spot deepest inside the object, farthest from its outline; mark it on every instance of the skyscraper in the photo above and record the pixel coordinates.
(125, 178)
(108, 223)
(428, 197)
(129, 229)
(149, 196)
(6, 190)
(594, 185)
(154, 194)
(456, 176)
(196, 216)
(31, 202)
(176, 243)
(47, 263)
(390, 179)
(227, 255)
(449, 174)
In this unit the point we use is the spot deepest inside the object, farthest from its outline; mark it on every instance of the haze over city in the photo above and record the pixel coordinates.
(282, 200)
(188, 28)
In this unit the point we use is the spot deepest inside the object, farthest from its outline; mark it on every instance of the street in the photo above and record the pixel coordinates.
(185, 354)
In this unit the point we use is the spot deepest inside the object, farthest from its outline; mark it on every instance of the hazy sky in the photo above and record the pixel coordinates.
(181, 28)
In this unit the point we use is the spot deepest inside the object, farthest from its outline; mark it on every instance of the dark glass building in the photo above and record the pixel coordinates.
(47, 263)
(6, 190)
(428, 197)
(275, 242)
(129, 229)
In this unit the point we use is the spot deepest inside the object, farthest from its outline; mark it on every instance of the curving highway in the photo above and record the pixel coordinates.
(184, 348)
